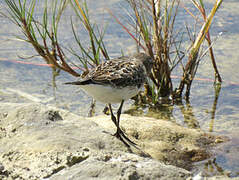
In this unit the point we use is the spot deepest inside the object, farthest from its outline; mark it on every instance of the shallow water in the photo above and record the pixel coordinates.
(204, 110)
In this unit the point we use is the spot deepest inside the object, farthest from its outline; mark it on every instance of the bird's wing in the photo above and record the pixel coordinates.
(103, 73)
(119, 71)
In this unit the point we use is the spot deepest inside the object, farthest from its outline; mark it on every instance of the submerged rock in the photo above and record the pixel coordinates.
(38, 141)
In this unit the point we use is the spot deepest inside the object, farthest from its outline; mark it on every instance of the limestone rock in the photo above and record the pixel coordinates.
(38, 141)
(123, 166)
(164, 140)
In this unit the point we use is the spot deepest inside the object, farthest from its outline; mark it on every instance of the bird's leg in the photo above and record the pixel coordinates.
(116, 121)
(119, 131)
(113, 118)
(119, 112)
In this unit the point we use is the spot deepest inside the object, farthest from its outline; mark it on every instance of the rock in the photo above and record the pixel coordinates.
(199, 176)
(222, 178)
(164, 140)
(121, 166)
(38, 141)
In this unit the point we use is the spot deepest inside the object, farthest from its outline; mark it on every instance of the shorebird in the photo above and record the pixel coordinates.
(115, 81)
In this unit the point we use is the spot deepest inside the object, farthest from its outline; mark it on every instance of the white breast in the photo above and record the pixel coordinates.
(108, 94)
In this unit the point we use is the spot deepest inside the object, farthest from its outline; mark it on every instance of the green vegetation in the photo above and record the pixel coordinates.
(154, 31)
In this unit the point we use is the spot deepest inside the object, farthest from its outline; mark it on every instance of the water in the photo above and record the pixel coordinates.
(204, 110)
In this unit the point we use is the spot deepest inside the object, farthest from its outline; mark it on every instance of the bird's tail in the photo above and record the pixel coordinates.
(74, 83)
(82, 82)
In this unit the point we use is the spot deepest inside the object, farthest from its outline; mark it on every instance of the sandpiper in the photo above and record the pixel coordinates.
(115, 81)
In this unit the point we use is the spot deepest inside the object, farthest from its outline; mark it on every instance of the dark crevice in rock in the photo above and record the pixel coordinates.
(3, 173)
(72, 160)
(54, 171)
(134, 176)
(54, 116)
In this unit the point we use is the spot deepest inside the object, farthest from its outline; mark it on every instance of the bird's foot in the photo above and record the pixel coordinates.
(121, 136)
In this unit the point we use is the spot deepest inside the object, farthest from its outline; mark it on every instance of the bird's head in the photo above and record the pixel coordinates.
(147, 61)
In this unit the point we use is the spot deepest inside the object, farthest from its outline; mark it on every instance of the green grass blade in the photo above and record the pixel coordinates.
(31, 10)
(79, 43)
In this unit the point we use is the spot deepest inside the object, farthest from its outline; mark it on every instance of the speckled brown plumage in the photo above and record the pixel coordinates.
(119, 72)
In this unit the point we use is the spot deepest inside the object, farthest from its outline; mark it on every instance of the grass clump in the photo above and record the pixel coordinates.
(151, 24)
